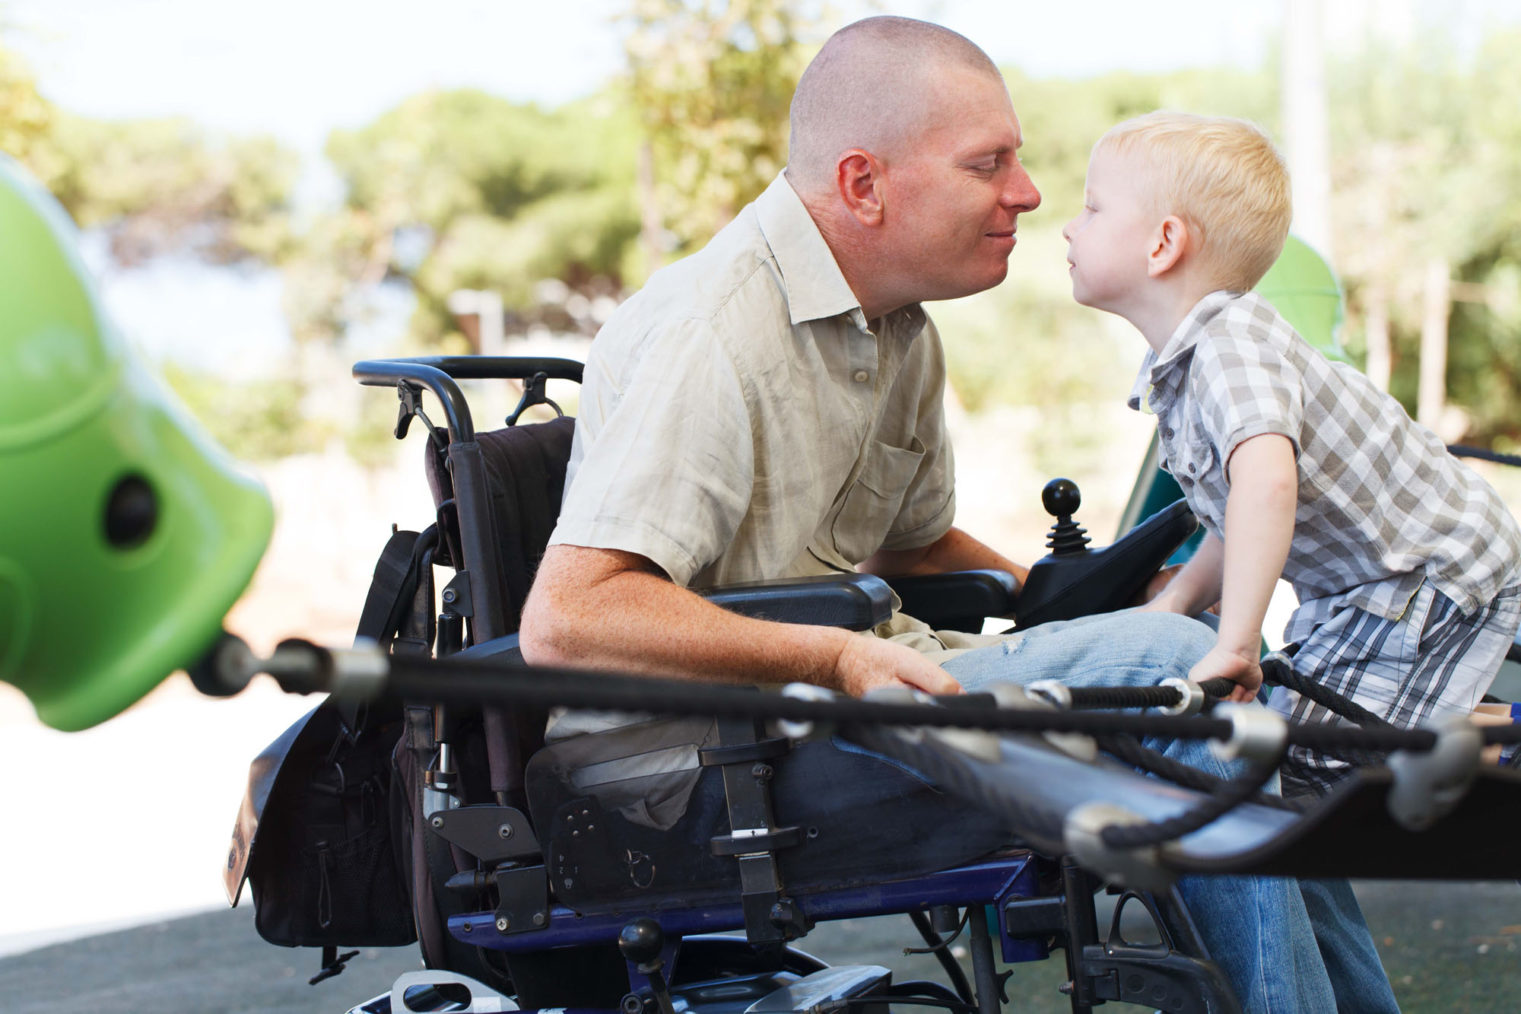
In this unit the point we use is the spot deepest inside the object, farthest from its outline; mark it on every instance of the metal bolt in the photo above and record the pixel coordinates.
(505, 831)
(450, 595)
(538, 918)
(468, 927)
(437, 822)
(502, 924)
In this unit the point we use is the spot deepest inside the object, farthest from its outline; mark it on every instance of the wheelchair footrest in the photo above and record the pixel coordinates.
(1156, 977)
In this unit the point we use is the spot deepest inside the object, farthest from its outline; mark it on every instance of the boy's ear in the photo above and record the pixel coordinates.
(1168, 245)
(858, 178)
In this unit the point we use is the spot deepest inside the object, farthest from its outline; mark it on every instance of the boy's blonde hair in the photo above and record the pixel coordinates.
(1223, 177)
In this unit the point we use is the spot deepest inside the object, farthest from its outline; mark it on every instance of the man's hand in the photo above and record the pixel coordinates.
(1240, 668)
(1150, 597)
(866, 663)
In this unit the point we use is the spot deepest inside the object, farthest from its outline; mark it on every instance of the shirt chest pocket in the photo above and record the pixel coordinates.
(1193, 458)
(872, 504)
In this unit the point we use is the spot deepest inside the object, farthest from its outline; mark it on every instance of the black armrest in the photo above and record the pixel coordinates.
(958, 600)
(852, 601)
(502, 649)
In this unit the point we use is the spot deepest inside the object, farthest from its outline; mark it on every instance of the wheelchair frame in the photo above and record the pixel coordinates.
(1036, 903)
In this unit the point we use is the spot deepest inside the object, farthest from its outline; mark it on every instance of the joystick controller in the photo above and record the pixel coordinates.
(1073, 580)
(1062, 498)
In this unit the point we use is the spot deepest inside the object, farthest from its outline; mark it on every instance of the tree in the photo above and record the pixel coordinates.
(712, 81)
(1424, 165)
(460, 189)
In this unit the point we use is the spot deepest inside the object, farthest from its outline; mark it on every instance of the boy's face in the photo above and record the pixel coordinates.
(1108, 241)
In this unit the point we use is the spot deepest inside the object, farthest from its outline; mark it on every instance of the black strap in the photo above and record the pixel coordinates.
(333, 964)
(394, 584)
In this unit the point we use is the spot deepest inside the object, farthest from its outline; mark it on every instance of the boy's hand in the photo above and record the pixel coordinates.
(1240, 669)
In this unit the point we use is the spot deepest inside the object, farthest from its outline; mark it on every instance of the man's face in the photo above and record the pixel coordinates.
(953, 197)
(1107, 242)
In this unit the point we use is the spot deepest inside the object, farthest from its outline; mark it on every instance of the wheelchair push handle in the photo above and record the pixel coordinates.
(440, 373)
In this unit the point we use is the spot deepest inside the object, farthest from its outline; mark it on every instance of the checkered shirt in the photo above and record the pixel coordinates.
(1382, 505)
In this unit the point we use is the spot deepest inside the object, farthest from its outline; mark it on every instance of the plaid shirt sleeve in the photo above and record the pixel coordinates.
(1243, 388)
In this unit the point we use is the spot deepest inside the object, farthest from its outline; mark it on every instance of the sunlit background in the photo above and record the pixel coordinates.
(270, 191)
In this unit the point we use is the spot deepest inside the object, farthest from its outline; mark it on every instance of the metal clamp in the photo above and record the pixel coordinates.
(359, 672)
(1053, 692)
(1429, 783)
(1083, 837)
(1257, 734)
(1192, 698)
(801, 728)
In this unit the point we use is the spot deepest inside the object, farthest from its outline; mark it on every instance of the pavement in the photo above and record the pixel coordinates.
(1446, 946)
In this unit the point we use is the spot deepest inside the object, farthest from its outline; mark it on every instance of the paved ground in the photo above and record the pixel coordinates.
(1448, 947)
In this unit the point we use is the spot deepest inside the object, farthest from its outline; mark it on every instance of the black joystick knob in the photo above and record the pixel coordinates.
(641, 941)
(1062, 498)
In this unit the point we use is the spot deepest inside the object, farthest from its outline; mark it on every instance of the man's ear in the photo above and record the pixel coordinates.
(1168, 245)
(857, 175)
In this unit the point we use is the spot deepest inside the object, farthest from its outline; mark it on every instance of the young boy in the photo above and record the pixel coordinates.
(1404, 561)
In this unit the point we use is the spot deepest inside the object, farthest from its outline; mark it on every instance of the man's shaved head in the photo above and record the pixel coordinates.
(869, 88)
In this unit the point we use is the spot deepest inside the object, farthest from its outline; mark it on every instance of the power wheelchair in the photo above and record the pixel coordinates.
(527, 875)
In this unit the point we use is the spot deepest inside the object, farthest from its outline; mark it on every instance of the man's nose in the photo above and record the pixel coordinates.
(1021, 192)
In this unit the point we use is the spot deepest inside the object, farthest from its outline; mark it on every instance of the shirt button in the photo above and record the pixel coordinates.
(1166, 434)
(861, 376)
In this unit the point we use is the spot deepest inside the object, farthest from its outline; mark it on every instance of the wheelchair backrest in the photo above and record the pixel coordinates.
(523, 477)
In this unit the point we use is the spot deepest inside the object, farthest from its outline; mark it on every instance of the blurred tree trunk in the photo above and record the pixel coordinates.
(1431, 398)
(1380, 364)
(650, 227)
(1307, 136)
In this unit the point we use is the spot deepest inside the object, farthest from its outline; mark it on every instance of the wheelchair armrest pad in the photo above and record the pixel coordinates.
(958, 600)
(852, 601)
(502, 649)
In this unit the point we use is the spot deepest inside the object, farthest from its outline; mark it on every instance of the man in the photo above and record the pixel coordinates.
(772, 407)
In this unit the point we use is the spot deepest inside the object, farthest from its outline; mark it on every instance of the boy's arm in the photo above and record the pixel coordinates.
(1196, 586)
(1259, 526)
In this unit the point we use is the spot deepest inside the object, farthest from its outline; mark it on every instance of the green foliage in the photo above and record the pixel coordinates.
(164, 185)
(456, 190)
(25, 116)
(712, 81)
(255, 420)
(1426, 160)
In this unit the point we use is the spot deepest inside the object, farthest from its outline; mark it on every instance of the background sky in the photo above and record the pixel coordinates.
(297, 68)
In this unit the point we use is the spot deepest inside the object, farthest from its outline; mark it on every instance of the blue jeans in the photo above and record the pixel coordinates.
(1257, 929)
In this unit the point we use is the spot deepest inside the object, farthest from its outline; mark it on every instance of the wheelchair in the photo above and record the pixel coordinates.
(675, 864)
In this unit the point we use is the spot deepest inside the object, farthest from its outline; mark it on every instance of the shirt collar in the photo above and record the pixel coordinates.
(1163, 372)
(815, 286)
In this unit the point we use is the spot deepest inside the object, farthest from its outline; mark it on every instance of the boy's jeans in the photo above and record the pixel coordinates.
(1256, 928)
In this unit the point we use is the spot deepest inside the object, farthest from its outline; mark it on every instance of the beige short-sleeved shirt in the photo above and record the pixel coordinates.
(741, 420)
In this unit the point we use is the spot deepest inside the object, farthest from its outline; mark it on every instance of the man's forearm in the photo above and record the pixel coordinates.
(955, 550)
(1196, 586)
(591, 609)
